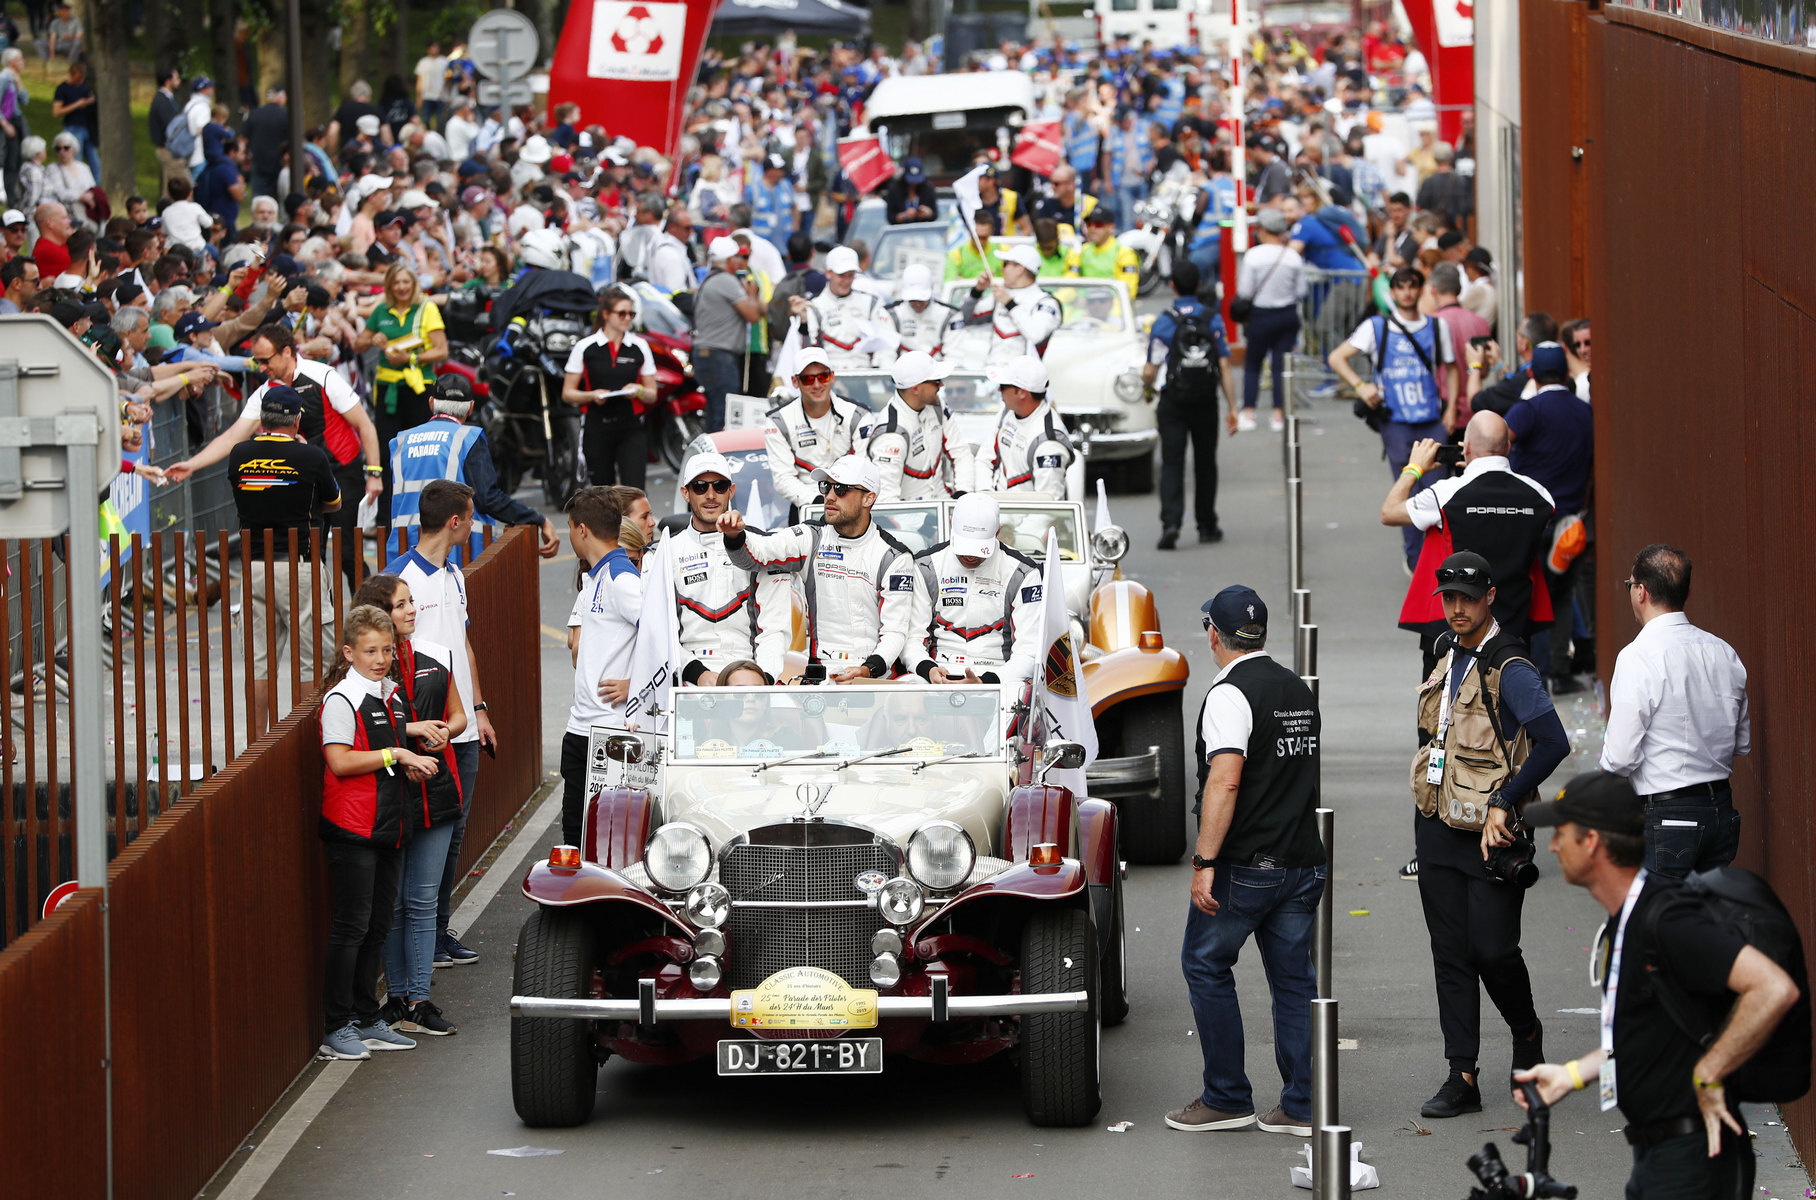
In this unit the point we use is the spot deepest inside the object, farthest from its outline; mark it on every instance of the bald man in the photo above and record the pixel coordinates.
(51, 251)
(1489, 509)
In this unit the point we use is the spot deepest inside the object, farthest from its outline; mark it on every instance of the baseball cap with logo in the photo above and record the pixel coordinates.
(917, 366)
(281, 399)
(1595, 800)
(191, 323)
(1026, 372)
(853, 470)
(913, 171)
(975, 522)
(707, 462)
(1232, 608)
(1025, 256)
(841, 259)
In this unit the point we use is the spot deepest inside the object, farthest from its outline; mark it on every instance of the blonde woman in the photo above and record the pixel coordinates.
(408, 330)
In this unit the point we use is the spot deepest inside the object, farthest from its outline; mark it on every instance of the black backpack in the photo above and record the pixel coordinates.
(1192, 368)
(1747, 907)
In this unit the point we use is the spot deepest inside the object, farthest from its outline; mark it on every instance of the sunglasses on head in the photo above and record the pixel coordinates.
(1460, 574)
(841, 490)
(815, 377)
(699, 486)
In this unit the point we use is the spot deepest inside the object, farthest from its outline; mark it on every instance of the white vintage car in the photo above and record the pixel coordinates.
(1094, 361)
(820, 880)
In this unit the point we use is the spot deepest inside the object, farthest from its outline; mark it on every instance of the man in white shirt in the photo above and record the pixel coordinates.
(440, 591)
(1677, 719)
(1031, 449)
(602, 633)
(431, 69)
(671, 267)
(462, 130)
(196, 113)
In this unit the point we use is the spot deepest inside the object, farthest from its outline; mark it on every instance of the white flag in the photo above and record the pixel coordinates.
(1065, 707)
(782, 367)
(657, 655)
(1102, 519)
(964, 190)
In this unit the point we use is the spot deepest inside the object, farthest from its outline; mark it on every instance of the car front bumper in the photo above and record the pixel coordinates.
(1113, 447)
(648, 1010)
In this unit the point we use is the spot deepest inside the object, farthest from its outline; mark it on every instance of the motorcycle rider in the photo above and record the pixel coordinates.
(977, 612)
(726, 613)
(858, 580)
(543, 282)
(1102, 256)
(842, 317)
(1021, 314)
(917, 457)
(1031, 449)
(919, 318)
(810, 432)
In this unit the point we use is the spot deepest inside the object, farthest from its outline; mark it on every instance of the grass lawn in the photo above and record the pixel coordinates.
(42, 78)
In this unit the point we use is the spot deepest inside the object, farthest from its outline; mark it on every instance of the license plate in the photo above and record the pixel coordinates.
(827, 1056)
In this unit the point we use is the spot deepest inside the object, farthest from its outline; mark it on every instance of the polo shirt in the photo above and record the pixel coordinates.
(1554, 442)
(605, 612)
(440, 594)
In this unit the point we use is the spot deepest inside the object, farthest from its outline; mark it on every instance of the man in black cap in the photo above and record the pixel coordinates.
(910, 195)
(1258, 868)
(391, 226)
(281, 484)
(1488, 736)
(1688, 1136)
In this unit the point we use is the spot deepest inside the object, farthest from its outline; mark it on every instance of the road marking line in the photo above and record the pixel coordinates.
(265, 1159)
(523, 839)
(559, 635)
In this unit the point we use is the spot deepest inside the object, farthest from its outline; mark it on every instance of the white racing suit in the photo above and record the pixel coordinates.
(985, 619)
(923, 330)
(859, 591)
(916, 457)
(1022, 326)
(798, 444)
(839, 324)
(1028, 454)
(726, 612)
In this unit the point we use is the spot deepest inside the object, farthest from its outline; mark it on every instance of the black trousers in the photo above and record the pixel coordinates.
(1179, 419)
(573, 786)
(1681, 1169)
(616, 452)
(1474, 925)
(363, 882)
(352, 480)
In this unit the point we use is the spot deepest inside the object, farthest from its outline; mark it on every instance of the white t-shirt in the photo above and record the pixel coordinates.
(340, 722)
(429, 75)
(340, 393)
(184, 222)
(460, 133)
(1228, 720)
(605, 612)
(1426, 508)
(441, 619)
(1363, 338)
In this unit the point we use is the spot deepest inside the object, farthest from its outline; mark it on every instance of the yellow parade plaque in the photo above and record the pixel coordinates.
(804, 998)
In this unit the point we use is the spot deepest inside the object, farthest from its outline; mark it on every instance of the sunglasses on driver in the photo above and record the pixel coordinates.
(841, 490)
(817, 377)
(699, 486)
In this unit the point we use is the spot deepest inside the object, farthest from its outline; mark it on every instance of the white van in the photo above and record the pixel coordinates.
(1166, 23)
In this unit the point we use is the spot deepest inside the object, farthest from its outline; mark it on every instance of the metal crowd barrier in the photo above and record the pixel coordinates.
(1335, 303)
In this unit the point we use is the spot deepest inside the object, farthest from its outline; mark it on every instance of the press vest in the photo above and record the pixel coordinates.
(1478, 756)
(1277, 798)
(434, 450)
(1411, 389)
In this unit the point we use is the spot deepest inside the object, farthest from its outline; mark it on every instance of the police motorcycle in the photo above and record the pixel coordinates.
(1162, 236)
(538, 320)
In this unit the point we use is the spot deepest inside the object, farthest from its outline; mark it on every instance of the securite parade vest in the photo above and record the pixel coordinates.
(1081, 144)
(772, 210)
(434, 450)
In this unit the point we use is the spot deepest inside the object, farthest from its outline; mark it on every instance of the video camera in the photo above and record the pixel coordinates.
(1498, 1183)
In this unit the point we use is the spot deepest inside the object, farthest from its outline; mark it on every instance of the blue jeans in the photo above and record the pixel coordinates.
(720, 372)
(1278, 907)
(410, 948)
(1271, 333)
(1398, 438)
(91, 153)
(1691, 835)
(1128, 195)
(466, 759)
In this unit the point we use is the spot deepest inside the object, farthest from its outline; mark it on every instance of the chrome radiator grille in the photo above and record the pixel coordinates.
(766, 940)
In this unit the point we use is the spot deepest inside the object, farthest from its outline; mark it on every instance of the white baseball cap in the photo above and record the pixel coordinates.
(68, 281)
(975, 521)
(841, 259)
(810, 356)
(414, 198)
(707, 462)
(1026, 372)
(11, 218)
(367, 125)
(1026, 256)
(722, 248)
(918, 366)
(917, 282)
(853, 470)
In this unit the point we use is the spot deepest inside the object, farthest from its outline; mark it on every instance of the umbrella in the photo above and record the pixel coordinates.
(803, 16)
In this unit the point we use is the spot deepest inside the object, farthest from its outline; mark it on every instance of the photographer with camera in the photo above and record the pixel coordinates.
(1488, 736)
(1688, 1137)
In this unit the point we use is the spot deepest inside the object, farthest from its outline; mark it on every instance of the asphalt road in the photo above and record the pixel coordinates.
(422, 1123)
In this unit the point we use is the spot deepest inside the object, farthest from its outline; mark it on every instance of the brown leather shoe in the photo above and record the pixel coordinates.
(1198, 1117)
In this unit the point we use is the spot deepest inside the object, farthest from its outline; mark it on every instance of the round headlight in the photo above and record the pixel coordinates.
(705, 973)
(709, 943)
(677, 856)
(1109, 544)
(886, 941)
(940, 855)
(560, 343)
(708, 905)
(886, 970)
(1128, 387)
(900, 901)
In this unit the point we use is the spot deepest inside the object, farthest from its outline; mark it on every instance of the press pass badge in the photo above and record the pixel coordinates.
(1434, 770)
(1610, 1094)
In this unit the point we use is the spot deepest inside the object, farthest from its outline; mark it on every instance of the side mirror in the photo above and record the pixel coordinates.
(627, 750)
(1064, 756)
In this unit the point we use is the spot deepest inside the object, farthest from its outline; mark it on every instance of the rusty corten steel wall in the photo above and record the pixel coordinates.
(220, 910)
(1704, 300)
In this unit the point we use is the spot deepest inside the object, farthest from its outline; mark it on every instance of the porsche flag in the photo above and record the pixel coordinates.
(1060, 681)
(657, 655)
(865, 162)
(1038, 147)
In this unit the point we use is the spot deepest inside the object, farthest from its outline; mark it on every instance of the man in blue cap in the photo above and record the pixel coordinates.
(1258, 868)
(910, 196)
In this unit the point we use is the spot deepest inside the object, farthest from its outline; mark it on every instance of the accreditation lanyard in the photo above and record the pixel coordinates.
(1610, 1095)
(1434, 769)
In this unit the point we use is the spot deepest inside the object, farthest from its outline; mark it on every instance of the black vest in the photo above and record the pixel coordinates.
(427, 682)
(1277, 799)
(1501, 517)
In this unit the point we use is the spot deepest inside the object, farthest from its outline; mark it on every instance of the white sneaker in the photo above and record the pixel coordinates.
(1245, 421)
(1276, 420)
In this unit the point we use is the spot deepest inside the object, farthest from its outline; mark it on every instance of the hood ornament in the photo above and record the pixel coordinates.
(812, 796)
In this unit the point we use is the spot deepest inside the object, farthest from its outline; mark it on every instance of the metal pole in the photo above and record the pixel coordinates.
(293, 95)
(1294, 559)
(1324, 1073)
(1324, 920)
(1287, 402)
(1308, 635)
(1332, 1151)
(1310, 681)
(1293, 450)
(1302, 607)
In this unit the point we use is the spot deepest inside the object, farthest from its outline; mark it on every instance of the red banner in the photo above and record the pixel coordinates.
(628, 63)
(1038, 147)
(1445, 31)
(865, 162)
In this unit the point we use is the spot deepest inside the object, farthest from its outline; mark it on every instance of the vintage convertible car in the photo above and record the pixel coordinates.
(818, 880)
(1094, 361)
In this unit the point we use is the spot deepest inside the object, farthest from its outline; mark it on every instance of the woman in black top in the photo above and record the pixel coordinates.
(611, 376)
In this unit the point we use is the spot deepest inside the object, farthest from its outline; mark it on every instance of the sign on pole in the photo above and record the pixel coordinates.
(503, 45)
(512, 94)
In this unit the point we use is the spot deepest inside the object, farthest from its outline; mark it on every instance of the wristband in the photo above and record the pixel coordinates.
(1707, 1085)
(183, 378)
(390, 759)
(1416, 472)
(1577, 1082)
(378, 471)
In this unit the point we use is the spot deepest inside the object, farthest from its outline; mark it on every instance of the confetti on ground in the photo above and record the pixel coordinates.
(1029, 1175)
(525, 1152)
(1120, 1127)
(1358, 912)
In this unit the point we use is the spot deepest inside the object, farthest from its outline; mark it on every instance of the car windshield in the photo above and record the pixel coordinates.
(657, 314)
(1024, 528)
(901, 245)
(869, 389)
(834, 721)
(1088, 308)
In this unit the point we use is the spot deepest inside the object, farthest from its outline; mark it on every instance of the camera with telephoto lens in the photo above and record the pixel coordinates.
(1498, 1183)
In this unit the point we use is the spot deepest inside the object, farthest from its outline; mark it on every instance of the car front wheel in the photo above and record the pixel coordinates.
(554, 1070)
(1060, 1051)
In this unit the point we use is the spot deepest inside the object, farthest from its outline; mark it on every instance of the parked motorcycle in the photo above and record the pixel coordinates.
(526, 423)
(679, 414)
(1162, 236)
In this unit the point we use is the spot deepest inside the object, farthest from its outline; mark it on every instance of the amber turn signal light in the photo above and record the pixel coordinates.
(565, 856)
(1151, 640)
(1045, 855)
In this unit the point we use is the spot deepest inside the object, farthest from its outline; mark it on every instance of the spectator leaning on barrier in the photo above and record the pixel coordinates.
(1258, 868)
(1688, 1134)
(1677, 720)
(1188, 340)
(603, 632)
(1488, 737)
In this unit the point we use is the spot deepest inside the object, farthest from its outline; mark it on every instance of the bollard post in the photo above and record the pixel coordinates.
(1302, 607)
(1299, 667)
(1331, 1152)
(1324, 1077)
(1325, 920)
(1295, 558)
(1310, 681)
(1288, 402)
(1308, 635)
